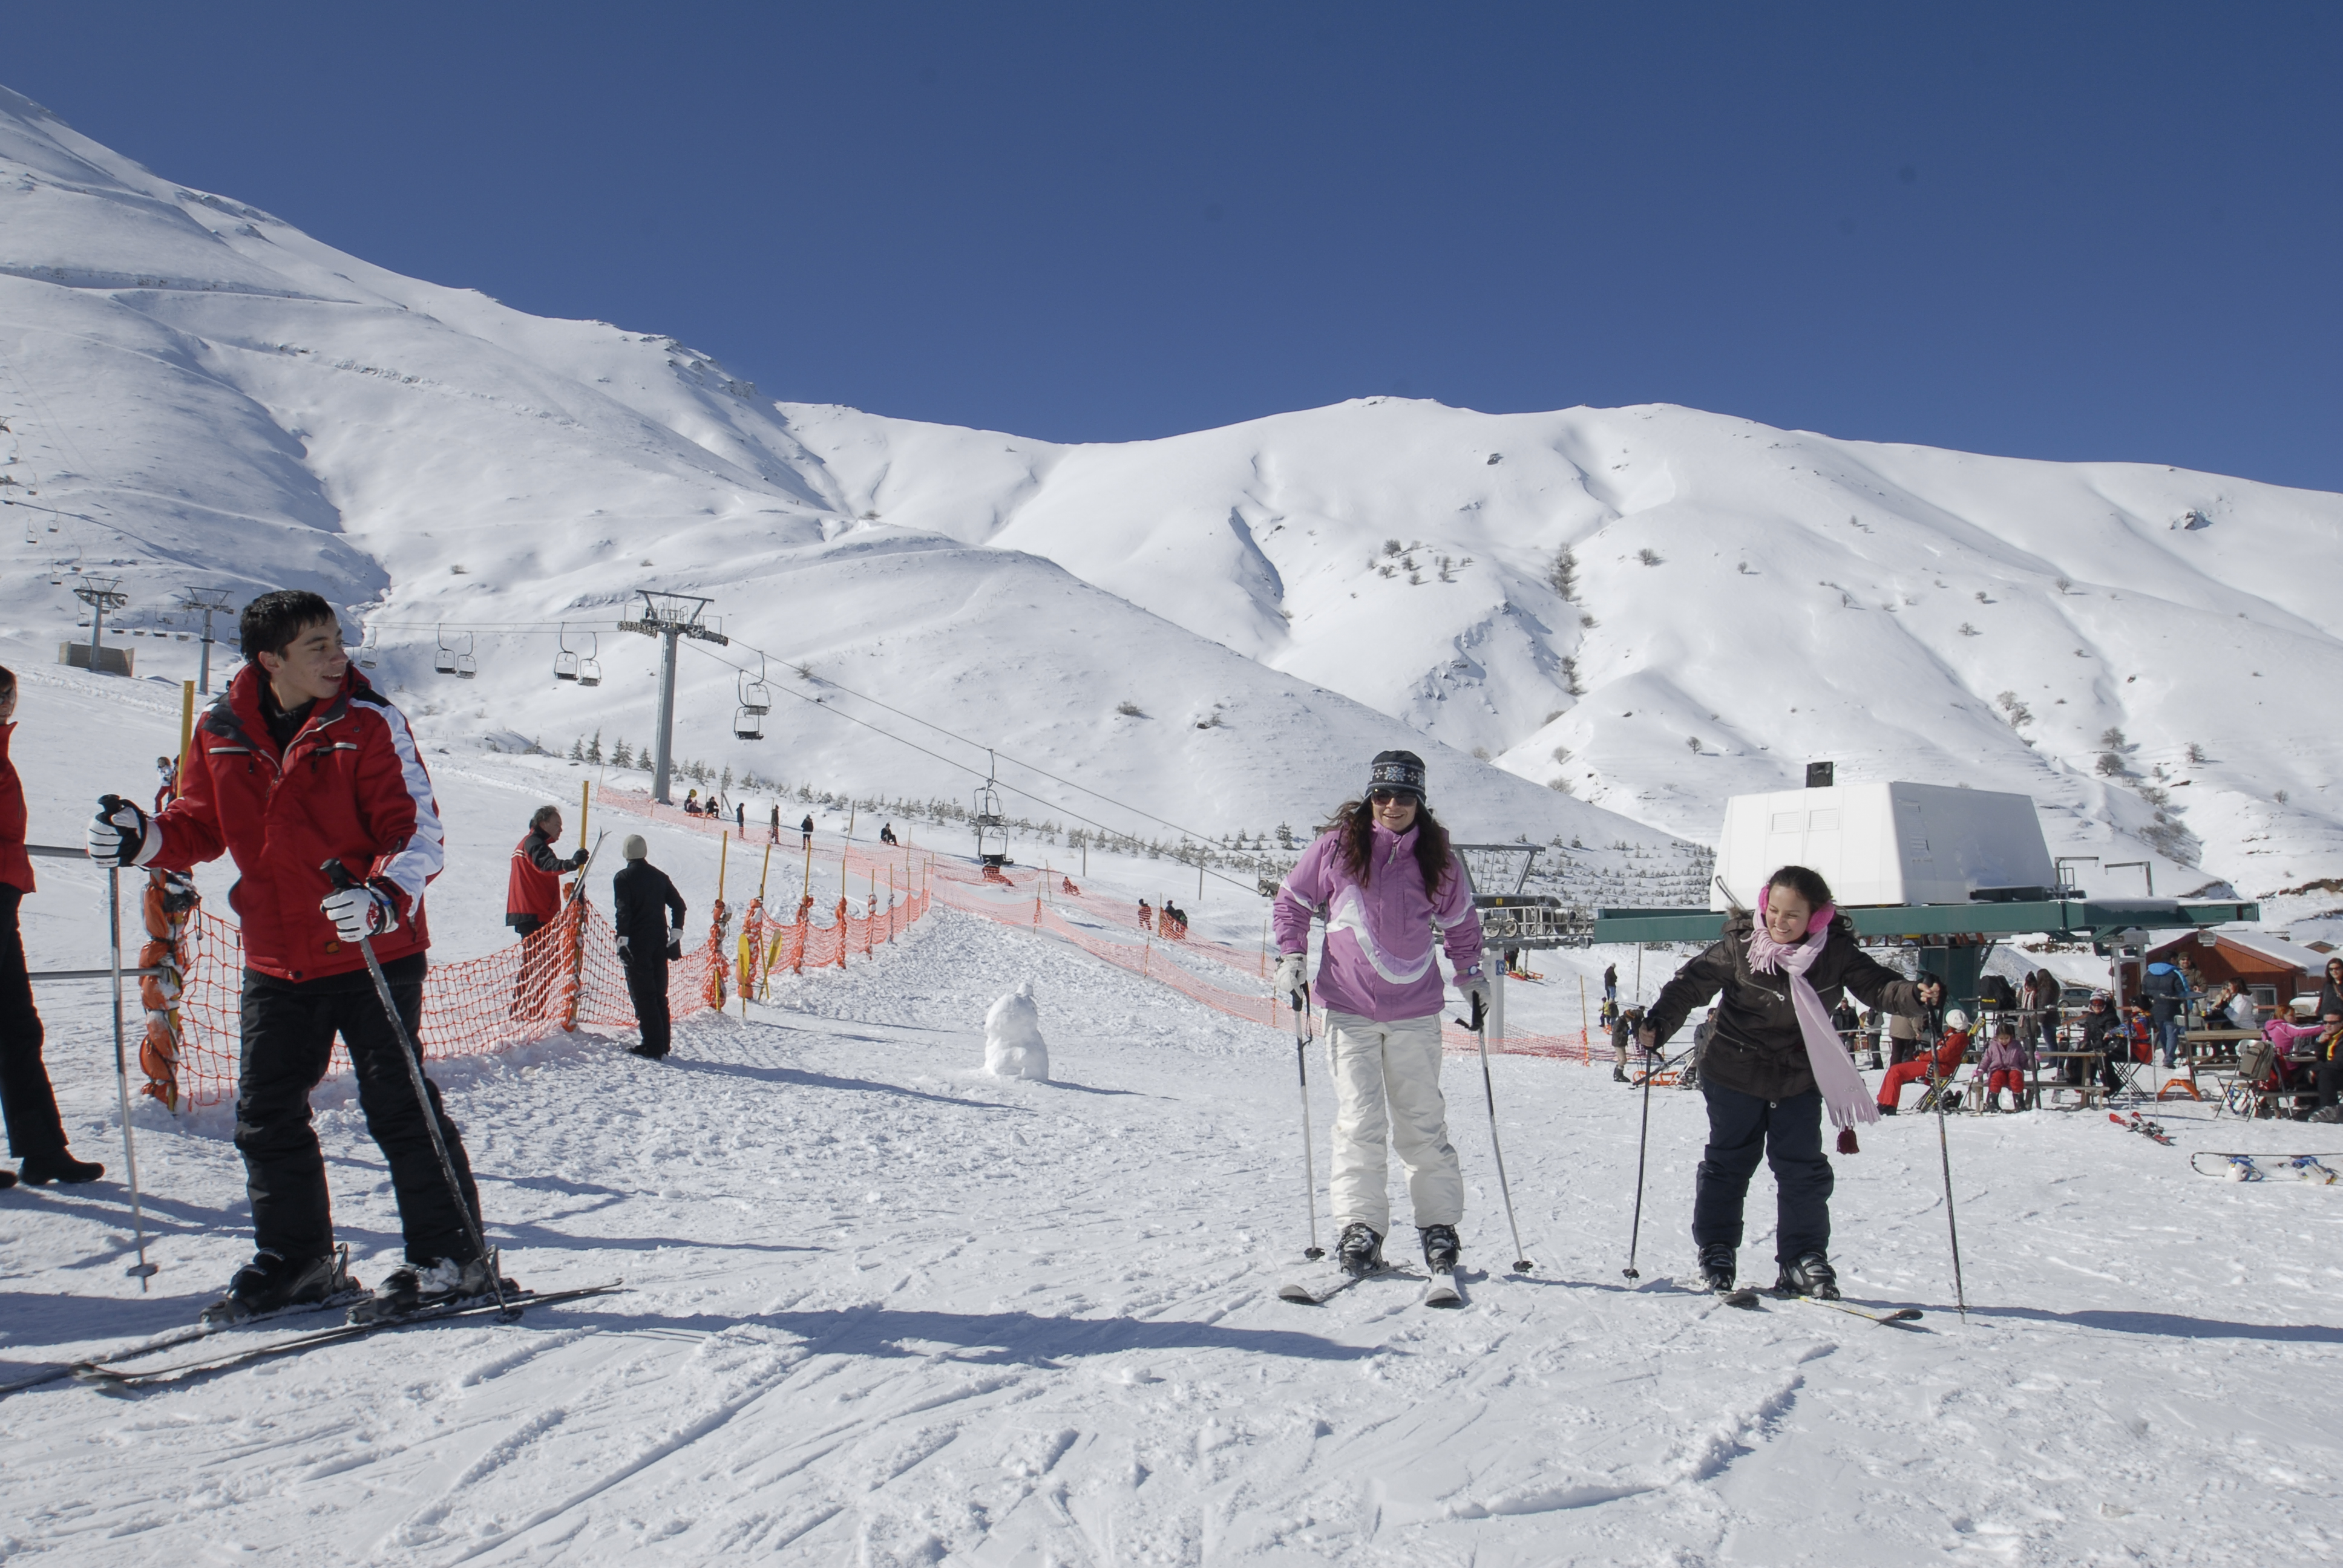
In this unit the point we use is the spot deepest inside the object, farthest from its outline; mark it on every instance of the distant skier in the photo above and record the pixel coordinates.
(740, 820)
(1611, 985)
(300, 762)
(649, 914)
(805, 833)
(1383, 873)
(1770, 1068)
(1146, 916)
(773, 833)
(167, 780)
(886, 834)
(2166, 991)
(532, 900)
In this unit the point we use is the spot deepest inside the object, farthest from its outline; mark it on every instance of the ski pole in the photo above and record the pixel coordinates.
(1635, 1226)
(1520, 1264)
(1943, 1148)
(1300, 1001)
(338, 874)
(143, 1269)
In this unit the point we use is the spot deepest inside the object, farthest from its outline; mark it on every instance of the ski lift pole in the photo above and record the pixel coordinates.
(1642, 1140)
(143, 1269)
(1301, 1003)
(1488, 1087)
(1952, 1225)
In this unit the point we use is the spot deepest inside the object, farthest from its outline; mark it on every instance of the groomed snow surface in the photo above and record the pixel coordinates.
(884, 1307)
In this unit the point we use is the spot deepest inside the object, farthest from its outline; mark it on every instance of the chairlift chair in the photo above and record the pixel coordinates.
(565, 663)
(466, 666)
(754, 697)
(368, 651)
(991, 830)
(749, 724)
(446, 661)
(589, 668)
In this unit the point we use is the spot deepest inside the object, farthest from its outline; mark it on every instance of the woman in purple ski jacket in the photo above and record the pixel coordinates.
(1382, 878)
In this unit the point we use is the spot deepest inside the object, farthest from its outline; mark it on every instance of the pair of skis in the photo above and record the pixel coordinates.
(2311, 1168)
(117, 1373)
(1747, 1299)
(1439, 1289)
(2145, 1128)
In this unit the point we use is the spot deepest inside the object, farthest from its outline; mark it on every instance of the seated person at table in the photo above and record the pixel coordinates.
(1937, 1065)
(2102, 1032)
(2230, 1008)
(2300, 1054)
(2004, 1066)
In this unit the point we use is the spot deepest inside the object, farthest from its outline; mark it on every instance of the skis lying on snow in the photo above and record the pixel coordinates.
(175, 1337)
(2247, 1167)
(2144, 1128)
(110, 1375)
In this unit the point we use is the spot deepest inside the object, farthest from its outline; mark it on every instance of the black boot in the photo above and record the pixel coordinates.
(1361, 1250)
(7, 1178)
(1716, 1267)
(1809, 1275)
(40, 1170)
(443, 1281)
(272, 1282)
(1440, 1248)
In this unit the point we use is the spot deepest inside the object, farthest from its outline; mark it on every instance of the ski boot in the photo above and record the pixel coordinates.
(272, 1282)
(1361, 1250)
(415, 1287)
(1808, 1275)
(1619, 1075)
(1440, 1248)
(40, 1170)
(1716, 1267)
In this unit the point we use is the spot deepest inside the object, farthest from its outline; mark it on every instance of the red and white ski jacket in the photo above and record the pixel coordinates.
(351, 787)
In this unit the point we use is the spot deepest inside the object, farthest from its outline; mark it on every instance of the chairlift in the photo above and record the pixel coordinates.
(446, 661)
(369, 651)
(991, 829)
(466, 666)
(589, 668)
(749, 724)
(754, 697)
(565, 663)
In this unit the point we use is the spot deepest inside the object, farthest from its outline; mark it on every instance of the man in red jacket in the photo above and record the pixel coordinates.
(35, 1135)
(532, 900)
(1934, 1068)
(298, 762)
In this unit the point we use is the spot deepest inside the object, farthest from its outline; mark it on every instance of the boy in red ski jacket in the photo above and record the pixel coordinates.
(1934, 1068)
(300, 760)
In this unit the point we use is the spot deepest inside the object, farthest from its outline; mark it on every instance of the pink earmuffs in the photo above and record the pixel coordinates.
(1815, 925)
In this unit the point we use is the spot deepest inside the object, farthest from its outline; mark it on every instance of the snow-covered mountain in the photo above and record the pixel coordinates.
(205, 394)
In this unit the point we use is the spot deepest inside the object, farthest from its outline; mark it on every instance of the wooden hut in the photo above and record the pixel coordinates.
(2248, 957)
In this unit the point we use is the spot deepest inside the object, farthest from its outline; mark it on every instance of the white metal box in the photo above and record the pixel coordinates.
(1884, 843)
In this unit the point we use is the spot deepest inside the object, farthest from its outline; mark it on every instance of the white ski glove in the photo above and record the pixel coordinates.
(122, 835)
(625, 951)
(1289, 978)
(1473, 986)
(675, 941)
(362, 910)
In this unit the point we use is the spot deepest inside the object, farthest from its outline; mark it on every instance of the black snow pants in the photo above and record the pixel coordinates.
(288, 1042)
(647, 989)
(26, 1101)
(1788, 1135)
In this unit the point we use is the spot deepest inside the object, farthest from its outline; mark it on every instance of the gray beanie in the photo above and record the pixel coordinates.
(635, 849)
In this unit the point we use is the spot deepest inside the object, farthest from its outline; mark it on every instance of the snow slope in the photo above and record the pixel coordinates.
(882, 1308)
(1806, 598)
(198, 392)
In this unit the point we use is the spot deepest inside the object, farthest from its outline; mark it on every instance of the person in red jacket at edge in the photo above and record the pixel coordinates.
(532, 900)
(1934, 1068)
(301, 761)
(37, 1137)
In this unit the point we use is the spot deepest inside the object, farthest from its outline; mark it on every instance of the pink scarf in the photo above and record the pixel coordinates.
(1842, 1086)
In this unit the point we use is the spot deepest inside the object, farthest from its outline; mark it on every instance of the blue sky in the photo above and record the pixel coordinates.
(2066, 231)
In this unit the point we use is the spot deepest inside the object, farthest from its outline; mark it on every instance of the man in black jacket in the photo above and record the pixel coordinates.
(642, 902)
(1763, 1100)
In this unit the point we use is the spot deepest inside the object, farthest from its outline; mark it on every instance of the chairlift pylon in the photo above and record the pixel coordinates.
(445, 663)
(589, 668)
(564, 662)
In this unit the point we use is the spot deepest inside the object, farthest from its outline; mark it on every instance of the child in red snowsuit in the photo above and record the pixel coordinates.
(1934, 1066)
(2005, 1065)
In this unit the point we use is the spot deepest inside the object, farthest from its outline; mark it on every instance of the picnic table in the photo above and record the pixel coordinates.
(2090, 1090)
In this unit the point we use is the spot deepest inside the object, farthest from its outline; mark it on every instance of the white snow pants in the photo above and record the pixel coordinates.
(1397, 1062)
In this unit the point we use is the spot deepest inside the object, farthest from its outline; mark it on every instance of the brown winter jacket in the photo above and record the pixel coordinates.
(1757, 1047)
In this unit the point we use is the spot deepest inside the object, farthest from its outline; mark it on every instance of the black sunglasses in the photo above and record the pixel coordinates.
(1385, 797)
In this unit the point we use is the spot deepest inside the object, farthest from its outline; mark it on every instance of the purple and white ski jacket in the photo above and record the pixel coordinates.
(1378, 961)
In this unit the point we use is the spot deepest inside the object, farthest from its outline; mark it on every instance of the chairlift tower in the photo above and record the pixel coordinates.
(212, 602)
(101, 594)
(670, 617)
